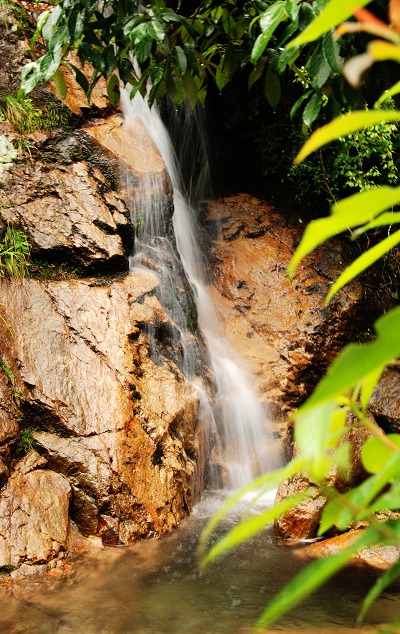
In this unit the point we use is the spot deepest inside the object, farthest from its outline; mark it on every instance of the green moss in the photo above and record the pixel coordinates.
(27, 117)
(41, 270)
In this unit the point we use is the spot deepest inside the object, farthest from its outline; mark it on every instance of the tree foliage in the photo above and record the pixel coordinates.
(158, 49)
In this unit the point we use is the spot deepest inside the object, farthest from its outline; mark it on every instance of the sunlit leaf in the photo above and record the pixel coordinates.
(246, 529)
(357, 361)
(381, 50)
(348, 213)
(375, 453)
(311, 433)
(388, 501)
(59, 82)
(379, 586)
(333, 14)
(384, 220)
(266, 482)
(311, 577)
(391, 92)
(191, 88)
(345, 124)
(363, 262)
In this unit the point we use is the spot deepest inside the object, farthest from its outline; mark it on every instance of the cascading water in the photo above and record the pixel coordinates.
(237, 415)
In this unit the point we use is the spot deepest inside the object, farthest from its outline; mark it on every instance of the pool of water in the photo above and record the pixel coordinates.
(155, 587)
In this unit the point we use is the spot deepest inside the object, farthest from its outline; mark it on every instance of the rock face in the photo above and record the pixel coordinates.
(118, 427)
(281, 328)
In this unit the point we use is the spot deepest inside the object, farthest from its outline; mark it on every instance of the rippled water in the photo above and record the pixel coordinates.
(155, 588)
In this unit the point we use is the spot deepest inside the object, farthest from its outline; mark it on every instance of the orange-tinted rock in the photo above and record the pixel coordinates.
(66, 214)
(380, 557)
(282, 328)
(118, 426)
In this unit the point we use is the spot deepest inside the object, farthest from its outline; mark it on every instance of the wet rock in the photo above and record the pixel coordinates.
(33, 517)
(282, 328)
(302, 521)
(379, 557)
(118, 426)
(66, 215)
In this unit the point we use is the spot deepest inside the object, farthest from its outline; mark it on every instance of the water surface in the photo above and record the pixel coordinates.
(155, 587)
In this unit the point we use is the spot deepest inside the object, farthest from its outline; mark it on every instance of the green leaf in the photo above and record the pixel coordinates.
(389, 501)
(368, 386)
(113, 90)
(269, 20)
(272, 87)
(311, 434)
(298, 103)
(246, 529)
(379, 586)
(138, 85)
(375, 453)
(76, 22)
(311, 111)
(391, 92)
(331, 49)
(346, 214)
(61, 86)
(191, 88)
(30, 77)
(310, 578)
(179, 59)
(50, 63)
(265, 482)
(357, 361)
(80, 78)
(143, 49)
(345, 124)
(363, 262)
(51, 20)
(92, 55)
(256, 73)
(335, 12)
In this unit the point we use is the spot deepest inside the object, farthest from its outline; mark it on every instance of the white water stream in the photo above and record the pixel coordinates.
(236, 417)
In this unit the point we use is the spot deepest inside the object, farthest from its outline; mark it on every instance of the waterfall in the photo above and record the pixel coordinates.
(236, 415)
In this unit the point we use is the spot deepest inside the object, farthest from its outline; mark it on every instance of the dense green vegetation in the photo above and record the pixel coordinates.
(287, 54)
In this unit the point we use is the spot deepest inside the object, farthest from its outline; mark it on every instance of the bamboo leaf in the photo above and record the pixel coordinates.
(266, 482)
(246, 529)
(345, 124)
(391, 92)
(379, 586)
(357, 361)
(353, 211)
(333, 14)
(363, 262)
(310, 578)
